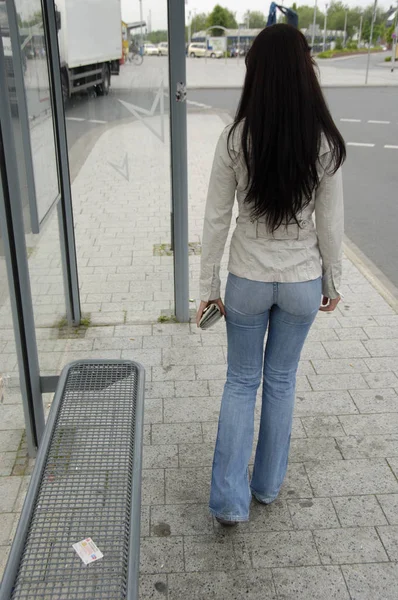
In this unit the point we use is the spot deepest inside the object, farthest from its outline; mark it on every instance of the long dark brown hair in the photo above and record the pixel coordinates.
(282, 116)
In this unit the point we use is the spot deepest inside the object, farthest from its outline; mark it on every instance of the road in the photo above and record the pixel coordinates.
(370, 173)
(358, 61)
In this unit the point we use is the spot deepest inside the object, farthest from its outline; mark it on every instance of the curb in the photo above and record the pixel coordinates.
(323, 85)
(372, 273)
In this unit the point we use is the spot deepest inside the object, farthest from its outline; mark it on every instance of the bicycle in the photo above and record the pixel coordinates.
(135, 57)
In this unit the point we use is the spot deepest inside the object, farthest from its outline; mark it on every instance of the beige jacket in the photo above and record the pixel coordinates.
(289, 254)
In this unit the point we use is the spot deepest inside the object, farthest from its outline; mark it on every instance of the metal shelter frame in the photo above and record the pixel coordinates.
(32, 384)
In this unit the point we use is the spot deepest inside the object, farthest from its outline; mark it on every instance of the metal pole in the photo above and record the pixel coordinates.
(65, 210)
(189, 27)
(345, 29)
(141, 32)
(394, 42)
(313, 26)
(394, 50)
(238, 57)
(194, 15)
(324, 27)
(179, 167)
(360, 31)
(370, 41)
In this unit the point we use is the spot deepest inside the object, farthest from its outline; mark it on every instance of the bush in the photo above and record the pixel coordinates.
(352, 46)
(326, 54)
(387, 59)
(339, 44)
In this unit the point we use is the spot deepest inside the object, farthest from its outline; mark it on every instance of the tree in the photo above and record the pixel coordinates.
(35, 19)
(199, 22)
(389, 33)
(254, 19)
(336, 16)
(306, 15)
(378, 32)
(155, 37)
(223, 17)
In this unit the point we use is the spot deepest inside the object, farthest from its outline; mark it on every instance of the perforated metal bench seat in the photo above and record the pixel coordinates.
(86, 483)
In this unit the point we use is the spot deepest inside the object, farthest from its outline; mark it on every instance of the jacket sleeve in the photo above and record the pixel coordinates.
(329, 217)
(219, 205)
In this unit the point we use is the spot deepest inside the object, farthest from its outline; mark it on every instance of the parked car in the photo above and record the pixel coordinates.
(198, 50)
(163, 48)
(151, 49)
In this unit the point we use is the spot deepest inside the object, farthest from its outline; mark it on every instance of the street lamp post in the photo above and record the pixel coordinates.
(238, 57)
(141, 34)
(345, 28)
(324, 27)
(370, 40)
(394, 41)
(313, 27)
(394, 49)
(360, 31)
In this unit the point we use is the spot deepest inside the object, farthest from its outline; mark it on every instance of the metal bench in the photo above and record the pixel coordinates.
(86, 483)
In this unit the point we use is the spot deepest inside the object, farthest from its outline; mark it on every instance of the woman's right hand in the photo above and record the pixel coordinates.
(204, 305)
(329, 304)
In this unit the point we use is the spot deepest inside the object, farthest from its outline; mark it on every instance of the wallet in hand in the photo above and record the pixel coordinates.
(211, 315)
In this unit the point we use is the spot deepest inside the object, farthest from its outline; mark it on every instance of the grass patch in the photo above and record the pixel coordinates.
(194, 249)
(167, 319)
(76, 331)
(62, 323)
(85, 322)
(349, 51)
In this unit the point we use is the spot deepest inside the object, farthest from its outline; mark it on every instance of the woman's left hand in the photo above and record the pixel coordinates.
(204, 305)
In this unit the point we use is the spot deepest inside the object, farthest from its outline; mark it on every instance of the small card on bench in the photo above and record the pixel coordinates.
(88, 551)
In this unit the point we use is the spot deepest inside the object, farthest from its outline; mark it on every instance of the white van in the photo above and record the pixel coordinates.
(198, 50)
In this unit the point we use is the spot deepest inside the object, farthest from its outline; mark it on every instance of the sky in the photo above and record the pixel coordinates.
(131, 8)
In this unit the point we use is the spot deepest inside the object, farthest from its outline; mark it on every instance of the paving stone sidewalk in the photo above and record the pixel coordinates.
(333, 532)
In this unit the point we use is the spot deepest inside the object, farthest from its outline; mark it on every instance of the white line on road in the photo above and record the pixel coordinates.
(96, 121)
(74, 119)
(391, 147)
(380, 122)
(360, 144)
(351, 120)
(193, 103)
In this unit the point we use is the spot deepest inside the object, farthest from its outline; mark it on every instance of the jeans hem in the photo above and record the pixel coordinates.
(263, 499)
(239, 518)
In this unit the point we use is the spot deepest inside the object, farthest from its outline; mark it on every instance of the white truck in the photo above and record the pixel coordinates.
(90, 44)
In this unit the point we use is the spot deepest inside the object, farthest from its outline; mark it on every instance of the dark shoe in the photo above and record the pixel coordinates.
(226, 522)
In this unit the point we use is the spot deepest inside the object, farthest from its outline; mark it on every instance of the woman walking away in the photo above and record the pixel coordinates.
(282, 158)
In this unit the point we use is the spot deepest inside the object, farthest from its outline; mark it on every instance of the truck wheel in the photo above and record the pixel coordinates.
(103, 88)
(65, 86)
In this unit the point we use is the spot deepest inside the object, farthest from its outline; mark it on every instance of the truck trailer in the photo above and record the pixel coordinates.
(90, 44)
